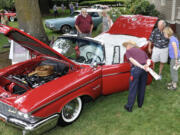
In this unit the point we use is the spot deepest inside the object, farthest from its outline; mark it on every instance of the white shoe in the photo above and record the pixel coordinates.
(177, 66)
(160, 78)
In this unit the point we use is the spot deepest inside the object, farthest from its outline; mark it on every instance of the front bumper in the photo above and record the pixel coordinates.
(29, 128)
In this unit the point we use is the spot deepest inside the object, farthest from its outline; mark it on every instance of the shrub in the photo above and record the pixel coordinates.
(133, 7)
(140, 7)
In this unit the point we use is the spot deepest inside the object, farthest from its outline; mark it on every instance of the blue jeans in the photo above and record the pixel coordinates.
(137, 86)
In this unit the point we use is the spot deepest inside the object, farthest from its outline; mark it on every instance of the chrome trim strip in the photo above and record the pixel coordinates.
(19, 123)
(31, 127)
(64, 95)
(115, 74)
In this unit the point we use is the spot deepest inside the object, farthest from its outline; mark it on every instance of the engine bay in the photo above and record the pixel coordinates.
(33, 75)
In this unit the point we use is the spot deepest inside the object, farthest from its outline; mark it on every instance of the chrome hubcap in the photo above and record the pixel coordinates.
(72, 110)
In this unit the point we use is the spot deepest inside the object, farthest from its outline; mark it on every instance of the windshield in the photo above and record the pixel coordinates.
(79, 50)
(75, 14)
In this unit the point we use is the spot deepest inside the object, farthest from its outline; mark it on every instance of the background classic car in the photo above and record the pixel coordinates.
(11, 15)
(99, 6)
(83, 68)
(65, 25)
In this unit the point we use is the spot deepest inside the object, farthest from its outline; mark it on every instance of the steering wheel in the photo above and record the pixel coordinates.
(90, 54)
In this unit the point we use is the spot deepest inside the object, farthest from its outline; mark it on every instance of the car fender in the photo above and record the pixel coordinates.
(87, 90)
(60, 103)
(67, 100)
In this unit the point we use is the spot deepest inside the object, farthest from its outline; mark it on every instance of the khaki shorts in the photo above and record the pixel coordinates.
(160, 55)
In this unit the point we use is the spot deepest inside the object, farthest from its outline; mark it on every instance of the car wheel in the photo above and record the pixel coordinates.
(65, 29)
(11, 18)
(71, 111)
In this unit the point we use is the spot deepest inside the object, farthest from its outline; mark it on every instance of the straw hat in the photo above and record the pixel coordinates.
(132, 43)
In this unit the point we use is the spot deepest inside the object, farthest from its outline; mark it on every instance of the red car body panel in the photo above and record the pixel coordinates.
(81, 80)
(9, 14)
(115, 78)
(135, 25)
(112, 74)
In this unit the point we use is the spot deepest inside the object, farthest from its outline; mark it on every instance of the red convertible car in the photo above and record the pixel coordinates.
(10, 15)
(51, 87)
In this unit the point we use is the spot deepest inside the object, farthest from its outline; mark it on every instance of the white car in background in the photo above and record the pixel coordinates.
(99, 6)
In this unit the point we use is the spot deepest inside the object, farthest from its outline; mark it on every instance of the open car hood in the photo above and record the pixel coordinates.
(134, 25)
(34, 45)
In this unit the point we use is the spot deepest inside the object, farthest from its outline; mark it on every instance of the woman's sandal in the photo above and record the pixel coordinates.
(171, 87)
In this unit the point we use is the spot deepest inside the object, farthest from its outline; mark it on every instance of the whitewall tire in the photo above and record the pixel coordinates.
(71, 111)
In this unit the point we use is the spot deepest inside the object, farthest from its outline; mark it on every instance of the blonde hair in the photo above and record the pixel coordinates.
(131, 43)
(168, 31)
(104, 12)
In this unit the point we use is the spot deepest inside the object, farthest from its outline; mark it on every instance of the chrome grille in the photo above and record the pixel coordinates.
(4, 109)
(47, 24)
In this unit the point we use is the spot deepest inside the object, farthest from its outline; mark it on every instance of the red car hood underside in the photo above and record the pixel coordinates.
(134, 25)
(34, 45)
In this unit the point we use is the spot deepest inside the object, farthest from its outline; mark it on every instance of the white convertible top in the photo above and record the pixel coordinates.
(111, 40)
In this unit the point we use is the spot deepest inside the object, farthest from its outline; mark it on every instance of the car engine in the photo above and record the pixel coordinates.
(44, 72)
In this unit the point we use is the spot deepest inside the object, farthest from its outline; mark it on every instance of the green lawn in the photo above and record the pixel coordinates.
(160, 114)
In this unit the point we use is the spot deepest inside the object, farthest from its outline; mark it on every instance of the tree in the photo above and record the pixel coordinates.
(29, 18)
(45, 5)
(6, 4)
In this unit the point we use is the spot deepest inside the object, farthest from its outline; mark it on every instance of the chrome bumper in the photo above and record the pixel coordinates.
(51, 28)
(32, 129)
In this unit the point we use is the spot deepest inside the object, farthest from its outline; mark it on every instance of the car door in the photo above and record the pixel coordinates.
(115, 77)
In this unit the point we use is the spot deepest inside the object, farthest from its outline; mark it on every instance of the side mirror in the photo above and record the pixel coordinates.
(94, 65)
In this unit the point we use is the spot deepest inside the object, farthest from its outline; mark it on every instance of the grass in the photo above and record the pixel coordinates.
(4, 40)
(160, 114)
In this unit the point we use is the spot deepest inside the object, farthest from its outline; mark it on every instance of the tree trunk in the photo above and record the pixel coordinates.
(29, 18)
